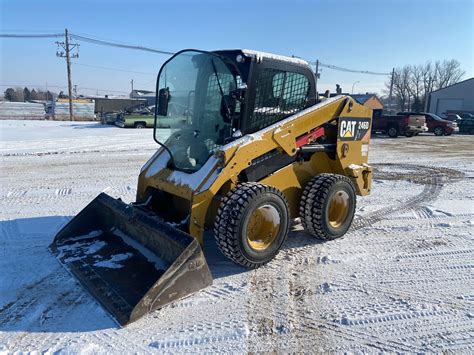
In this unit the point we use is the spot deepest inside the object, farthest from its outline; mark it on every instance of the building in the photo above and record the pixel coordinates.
(369, 100)
(116, 104)
(149, 96)
(458, 97)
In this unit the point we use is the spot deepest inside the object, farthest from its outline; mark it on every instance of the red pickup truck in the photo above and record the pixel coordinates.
(436, 124)
(406, 124)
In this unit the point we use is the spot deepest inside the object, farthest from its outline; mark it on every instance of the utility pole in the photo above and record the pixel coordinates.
(68, 47)
(317, 75)
(131, 82)
(75, 90)
(391, 91)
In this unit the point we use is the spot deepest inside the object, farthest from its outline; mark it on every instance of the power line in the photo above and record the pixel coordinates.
(335, 67)
(60, 87)
(86, 39)
(13, 35)
(120, 45)
(114, 69)
(161, 51)
(33, 85)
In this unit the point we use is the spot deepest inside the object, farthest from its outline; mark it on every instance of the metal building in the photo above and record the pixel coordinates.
(455, 98)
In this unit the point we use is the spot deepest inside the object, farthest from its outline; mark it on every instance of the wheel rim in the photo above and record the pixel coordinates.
(263, 227)
(392, 131)
(338, 208)
(438, 131)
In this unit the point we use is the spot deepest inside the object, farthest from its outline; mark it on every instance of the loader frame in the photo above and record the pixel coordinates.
(346, 154)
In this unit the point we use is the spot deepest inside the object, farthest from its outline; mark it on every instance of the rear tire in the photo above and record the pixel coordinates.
(392, 132)
(409, 134)
(139, 125)
(438, 131)
(251, 224)
(327, 206)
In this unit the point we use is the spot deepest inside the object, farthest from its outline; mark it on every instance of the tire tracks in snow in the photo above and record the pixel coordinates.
(262, 312)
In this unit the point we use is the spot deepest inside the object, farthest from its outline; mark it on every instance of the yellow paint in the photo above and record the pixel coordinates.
(290, 179)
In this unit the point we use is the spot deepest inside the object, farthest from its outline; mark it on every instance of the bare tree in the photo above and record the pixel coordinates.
(429, 75)
(413, 83)
(401, 86)
(448, 72)
(416, 87)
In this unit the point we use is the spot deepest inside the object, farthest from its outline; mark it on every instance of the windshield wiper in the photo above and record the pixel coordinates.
(220, 89)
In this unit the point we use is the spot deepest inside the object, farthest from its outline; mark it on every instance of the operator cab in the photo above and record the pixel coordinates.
(208, 99)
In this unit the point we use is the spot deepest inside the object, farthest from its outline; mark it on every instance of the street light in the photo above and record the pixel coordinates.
(355, 82)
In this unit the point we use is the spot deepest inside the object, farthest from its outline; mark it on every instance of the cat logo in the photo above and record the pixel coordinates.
(354, 129)
(347, 129)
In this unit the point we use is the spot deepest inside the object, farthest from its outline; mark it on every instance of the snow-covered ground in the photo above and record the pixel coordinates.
(400, 281)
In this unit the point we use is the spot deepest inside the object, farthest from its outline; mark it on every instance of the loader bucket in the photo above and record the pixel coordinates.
(129, 259)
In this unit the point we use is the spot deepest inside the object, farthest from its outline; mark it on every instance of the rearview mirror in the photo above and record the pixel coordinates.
(163, 100)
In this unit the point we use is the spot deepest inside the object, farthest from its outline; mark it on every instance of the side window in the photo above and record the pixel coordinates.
(278, 94)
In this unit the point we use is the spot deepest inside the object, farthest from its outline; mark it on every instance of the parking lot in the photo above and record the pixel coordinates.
(399, 281)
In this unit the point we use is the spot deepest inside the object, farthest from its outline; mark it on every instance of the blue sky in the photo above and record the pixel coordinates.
(367, 35)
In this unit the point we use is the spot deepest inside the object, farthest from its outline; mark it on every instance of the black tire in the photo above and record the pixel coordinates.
(471, 131)
(438, 131)
(233, 218)
(392, 132)
(316, 202)
(409, 134)
(139, 125)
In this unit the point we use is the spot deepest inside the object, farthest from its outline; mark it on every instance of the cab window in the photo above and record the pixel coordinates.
(278, 94)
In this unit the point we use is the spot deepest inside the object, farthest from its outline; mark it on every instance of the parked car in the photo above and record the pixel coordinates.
(466, 125)
(136, 120)
(453, 117)
(109, 117)
(436, 124)
(393, 126)
(465, 115)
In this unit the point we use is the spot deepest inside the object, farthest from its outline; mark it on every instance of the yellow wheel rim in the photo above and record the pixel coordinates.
(338, 209)
(263, 227)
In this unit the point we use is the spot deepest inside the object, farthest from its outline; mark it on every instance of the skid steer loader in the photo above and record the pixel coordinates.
(248, 146)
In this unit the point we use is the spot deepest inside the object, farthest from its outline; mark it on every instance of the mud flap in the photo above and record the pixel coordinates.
(129, 259)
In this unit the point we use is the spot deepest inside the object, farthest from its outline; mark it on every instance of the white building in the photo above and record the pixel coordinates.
(147, 95)
(455, 98)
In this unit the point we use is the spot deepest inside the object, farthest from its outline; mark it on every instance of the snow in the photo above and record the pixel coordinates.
(114, 261)
(159, 263)
(260, 55)
(399, 281)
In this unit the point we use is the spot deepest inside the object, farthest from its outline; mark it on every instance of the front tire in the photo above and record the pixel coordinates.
(438, 131)
(140, 125)
(392, 132)
(327, 206)
(251, 224)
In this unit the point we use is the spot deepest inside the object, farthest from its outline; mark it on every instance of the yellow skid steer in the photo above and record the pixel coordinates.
(245, 146)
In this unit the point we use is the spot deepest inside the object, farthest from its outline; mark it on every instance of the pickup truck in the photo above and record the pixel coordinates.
(144, 119)
(408, 125)
(436, 124)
